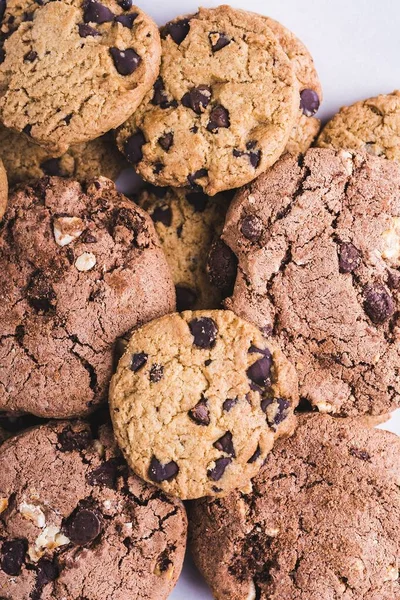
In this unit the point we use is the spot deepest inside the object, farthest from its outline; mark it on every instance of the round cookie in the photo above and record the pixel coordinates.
(75, 69)
(318, 244)
(78, 268)
(187, 223)
(371, 125)
(199, 125)
(197, 401)
(109, 535)
(3, 190)
(25, 161)
(320, 523)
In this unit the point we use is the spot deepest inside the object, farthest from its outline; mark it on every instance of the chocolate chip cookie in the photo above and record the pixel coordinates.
(318, 244)
(73, 70)
(222, 108)
(371, 126)
(187, 223)
(3, 189)
(109, 535)
(321, 522)
(79, 267)
(197, 401)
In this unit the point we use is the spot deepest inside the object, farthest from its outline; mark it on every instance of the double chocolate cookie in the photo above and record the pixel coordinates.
(79, 267)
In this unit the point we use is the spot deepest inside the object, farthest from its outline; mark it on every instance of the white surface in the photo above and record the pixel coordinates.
(356, 47)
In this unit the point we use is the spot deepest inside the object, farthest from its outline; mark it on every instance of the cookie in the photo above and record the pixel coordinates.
(197, 401)
(3, 190)
(321, 522)
(25, 161)
(371, 126)
(222, 109)
(75, 69)
(109, 535)
(303, 135)
(78, 268)
(187, 224)
(318, 244)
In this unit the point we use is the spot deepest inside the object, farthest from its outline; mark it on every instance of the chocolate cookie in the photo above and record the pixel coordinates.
(318, 245)
(371, 125)
(187, 224)
(107, 536)
(222, 109)
(70, 71)
(78, 268)
(3, 190)
(197, 401)
(320, 523)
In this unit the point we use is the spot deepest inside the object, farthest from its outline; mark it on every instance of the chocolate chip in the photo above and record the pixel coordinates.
(156, 373)
(276, 409)
(125, 4)
(159, 192)
(47, 571)
(253, 155)
(198, 98)
(88, 238)
(95, 12)
(158, 167)
(68, 118)
(133, 147)
(199, 200)
(125, 61)
(51, 167)
(309, 102)
(31, 56)
(220, 465)
(361, 454)
(2, 55)
(126, 20)
(160, 96)
(86, 31)
(255, 456)
(166, 141)
(204, 331)
(349, 257)
(178, 30)
(84, 526)
(218, 40)
(197, 175)
(40, 293)
(162, 214)
(3, 6)
(159, 472)
(200, 413)
(105, 474)
(378, 303)
(229, 403)
(28, 16)
(70, 441)
(219, 118)
(27, 130)
(13, 556)
(260, 371)
(185, 298)
(163, 562)
(225, 444)
(222, 267)
(251, 227)
(138, 361)
(208, 362)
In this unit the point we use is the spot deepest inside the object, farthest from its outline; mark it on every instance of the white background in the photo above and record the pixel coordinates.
(356, 47)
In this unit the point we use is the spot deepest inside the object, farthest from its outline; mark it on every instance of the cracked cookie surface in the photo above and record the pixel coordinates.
(222, 108)
(318, 245)
(371, 125)
(198, 400)
(79, 268)
(109, 536)
(72, 70)
(320, 523)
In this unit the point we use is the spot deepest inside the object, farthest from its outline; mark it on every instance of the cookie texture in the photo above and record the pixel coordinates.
(303, 135)
(187, 223)
(3, 189)
(197, 401)
(319, 524)
(79, 268)
(222, 108)
(72, 70)
(318, 244)
(108, 536)
(371, 125)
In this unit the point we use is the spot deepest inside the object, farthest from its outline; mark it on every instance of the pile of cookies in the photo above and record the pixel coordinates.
(237, 318)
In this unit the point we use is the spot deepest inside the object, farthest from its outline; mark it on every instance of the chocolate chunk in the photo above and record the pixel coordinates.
(95, 12)
(159, 472)
(185, 298)
(208, 362)
(276, 409)
(40, 293)
(198, 200)
(3, 6)
(47, 571)
(218, 40)
(378, 303)
(133, 147)
(86, 31)
(162, 214)
(31, 56)
(166, 141)
(200, 413)
(70, 441)
(229, 403)
(194, 176)
(51, 167)
(160, 96)
(156, 373)
(198, 98)
(13, 556)
(349, 257)
(255, 456)
(125, 4)
(219, 118)
(260, 371)
(220, 465)
(84, 526)
(204, 331)
(361, 454)
(158, 167)
(127, 20)
(178, 30)
(138, 361)
(222, 267)
(68, 118)
(253, 155)
(252, 227)
(125, 61)
(105, 474)
(255, 158)
(309, 102)
(225, 444)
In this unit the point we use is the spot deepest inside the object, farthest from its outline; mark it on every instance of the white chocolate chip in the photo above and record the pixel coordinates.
(325, 407)
(347, 159)
(33, 513)
(67, 229)
(392, 573)
(391, 241)
(252, 591)
(49, 539)
(3, 504)
(107, 504)
(98, 446)
(85, 261)
(272, 531)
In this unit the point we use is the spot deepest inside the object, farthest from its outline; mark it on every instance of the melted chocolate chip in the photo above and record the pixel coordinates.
(192, 179)
(160, 96)
(125, 61)
(162, 214)
(86, 31)
(51, 167)
(218, 40)
(159, 472)
(200, 413)
(253, 155)
(309, 102)
(217, 472)
(133, 147)
(138, 361)
(185, 298)
(178, 30)
(156, 373)
(127, 20)
(105, 474)
(255, 456)
(222, 267)
(13, 556)
(198, 98)
(84, 526)
(378, 303)
(95, 12)
(31, 56)
(349, 257)
(260, 371)
(198, 200)
(251, 227)
(225, 444)
(70, 441)
(125, 4)
(204, 331)
(219, 118)
(229, 403)
(166, 141)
